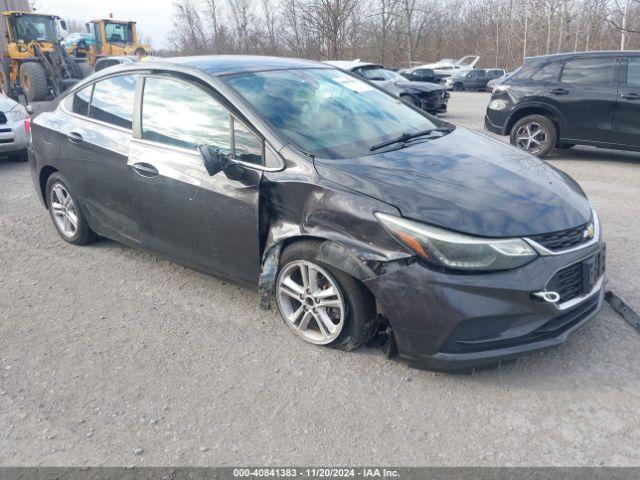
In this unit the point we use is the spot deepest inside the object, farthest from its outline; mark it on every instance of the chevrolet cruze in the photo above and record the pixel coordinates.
(351, 212)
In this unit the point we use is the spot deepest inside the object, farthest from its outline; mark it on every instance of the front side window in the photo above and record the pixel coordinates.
(81, 100)
(113, 99)
(326, 112)
(183, 115)
(633, 72)
(590, 71)
(247, 146)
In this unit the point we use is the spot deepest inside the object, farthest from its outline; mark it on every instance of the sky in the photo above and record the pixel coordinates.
(154, 17)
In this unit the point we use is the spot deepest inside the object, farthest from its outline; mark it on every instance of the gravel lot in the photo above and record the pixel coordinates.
(113, 356)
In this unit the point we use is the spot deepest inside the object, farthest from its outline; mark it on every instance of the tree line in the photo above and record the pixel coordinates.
(398, 32)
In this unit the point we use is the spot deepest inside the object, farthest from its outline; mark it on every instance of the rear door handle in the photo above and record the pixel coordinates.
(145, 170)
(630, 96)
(560, 91)
(74, 137)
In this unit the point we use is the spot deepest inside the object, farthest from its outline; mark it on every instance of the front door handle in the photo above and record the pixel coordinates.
(560, 91)
(74, 137)
(630, 96)
(145, 170)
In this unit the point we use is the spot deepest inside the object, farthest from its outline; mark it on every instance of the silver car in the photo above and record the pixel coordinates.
(14, 128)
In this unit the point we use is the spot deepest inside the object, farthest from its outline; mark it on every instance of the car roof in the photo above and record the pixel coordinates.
(229, 64)
(601, 53)
(351, 64)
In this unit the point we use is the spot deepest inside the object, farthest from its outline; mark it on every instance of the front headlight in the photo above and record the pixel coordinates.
(18, 113)
(455, 250)
(498, 104)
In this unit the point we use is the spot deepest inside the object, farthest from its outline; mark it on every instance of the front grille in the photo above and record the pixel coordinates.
(563, 239)
(3, 118)
(567, 282)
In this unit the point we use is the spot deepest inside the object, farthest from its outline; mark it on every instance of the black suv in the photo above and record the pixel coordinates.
(558, 101)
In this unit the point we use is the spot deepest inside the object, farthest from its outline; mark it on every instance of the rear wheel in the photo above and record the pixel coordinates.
(320, 304)
(535, 134)
(66, 213)
(33, 81)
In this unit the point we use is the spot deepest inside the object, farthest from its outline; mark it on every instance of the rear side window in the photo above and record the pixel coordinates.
(113, 99)
(81, 100)
(183, 115)
(633, 72)
(590, 71)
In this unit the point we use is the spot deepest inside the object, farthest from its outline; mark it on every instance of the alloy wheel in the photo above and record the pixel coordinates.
(310, 302)
(64, 210)
(531, 137)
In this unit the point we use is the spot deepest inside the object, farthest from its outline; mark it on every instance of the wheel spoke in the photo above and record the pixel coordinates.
(329, 304)
(312, 281)
(73, 219)
(327, 292)
(293, 289)
(324, 321)
(304, 323)
(295, 316)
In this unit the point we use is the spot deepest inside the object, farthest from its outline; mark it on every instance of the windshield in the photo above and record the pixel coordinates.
(118, 32)
(325, 112)
(41, 28)
(372, 73)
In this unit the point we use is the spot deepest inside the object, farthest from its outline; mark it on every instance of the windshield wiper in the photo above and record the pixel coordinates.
(405, 137)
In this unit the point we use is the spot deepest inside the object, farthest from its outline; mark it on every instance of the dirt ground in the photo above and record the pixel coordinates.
(114, 356)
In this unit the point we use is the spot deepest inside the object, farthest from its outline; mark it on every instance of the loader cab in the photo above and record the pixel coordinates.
(24, 28)
(113, 37)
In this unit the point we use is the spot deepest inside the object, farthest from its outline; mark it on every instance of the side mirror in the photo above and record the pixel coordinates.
(214, 160)
(63, 24)
(29, 109)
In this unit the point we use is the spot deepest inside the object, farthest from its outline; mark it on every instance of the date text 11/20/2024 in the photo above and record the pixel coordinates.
(316, 472)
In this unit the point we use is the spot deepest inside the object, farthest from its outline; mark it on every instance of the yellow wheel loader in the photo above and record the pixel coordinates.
(33, 61)
(112, 38)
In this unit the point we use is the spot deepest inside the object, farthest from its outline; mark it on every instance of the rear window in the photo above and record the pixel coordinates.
(590, 71)
(113, 99)
(81, 101)
(543, 73)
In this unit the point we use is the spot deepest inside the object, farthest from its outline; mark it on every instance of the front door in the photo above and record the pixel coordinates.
(586, 95)
(208, 222)
(626, 121)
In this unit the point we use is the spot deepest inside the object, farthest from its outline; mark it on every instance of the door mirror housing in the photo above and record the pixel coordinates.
(63, 24)
(214, 160)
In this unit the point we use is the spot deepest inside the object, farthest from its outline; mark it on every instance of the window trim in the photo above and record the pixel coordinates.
(63, 104)
(137, 123)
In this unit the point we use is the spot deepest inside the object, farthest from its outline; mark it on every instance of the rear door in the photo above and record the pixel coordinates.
(96, 146)
(586, 96)
(626, 121)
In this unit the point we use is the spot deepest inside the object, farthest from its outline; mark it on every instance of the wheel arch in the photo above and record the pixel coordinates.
(548, 111)
(44, 175)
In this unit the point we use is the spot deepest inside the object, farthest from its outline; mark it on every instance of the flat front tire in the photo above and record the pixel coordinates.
(535, 134)
(66, 213)
(321, 304)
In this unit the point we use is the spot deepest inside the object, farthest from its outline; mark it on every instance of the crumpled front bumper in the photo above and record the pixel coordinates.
(445, 321)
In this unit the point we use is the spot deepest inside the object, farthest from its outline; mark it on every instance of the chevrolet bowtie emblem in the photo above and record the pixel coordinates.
(589, 232)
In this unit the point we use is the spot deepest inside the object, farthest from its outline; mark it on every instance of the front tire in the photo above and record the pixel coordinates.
(33, 81)
(66, 213)
(535, 134)
(321, 304)
(458, 87)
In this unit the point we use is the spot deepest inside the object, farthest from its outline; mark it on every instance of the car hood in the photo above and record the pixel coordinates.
(6, 103)
(469, 183)
(421, 86)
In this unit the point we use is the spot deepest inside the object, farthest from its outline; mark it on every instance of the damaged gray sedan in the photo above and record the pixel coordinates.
(351, 211)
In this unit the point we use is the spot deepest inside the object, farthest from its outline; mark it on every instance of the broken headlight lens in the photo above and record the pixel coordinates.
(458, 251)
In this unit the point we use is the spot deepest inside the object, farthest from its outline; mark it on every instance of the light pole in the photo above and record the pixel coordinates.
(625, 14)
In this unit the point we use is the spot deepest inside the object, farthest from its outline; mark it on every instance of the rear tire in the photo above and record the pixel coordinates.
(409, 99)
(66, 212)
(33, 81)
(535, 134)
(355, 326)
